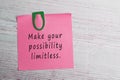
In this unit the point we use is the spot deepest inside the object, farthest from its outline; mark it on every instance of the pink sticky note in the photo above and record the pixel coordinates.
(50, 48)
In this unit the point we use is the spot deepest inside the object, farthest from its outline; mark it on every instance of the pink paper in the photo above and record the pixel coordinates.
(50, 48)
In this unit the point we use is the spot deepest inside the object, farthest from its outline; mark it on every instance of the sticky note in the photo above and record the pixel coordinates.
(50, 48)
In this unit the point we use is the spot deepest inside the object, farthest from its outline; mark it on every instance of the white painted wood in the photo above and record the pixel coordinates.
(96, 39)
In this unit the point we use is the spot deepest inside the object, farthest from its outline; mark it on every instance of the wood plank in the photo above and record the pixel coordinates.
(96, 39)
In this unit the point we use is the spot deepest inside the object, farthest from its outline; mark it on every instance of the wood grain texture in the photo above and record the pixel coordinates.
(96, 39)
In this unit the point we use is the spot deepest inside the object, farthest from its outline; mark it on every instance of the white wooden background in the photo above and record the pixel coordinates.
(96, 39)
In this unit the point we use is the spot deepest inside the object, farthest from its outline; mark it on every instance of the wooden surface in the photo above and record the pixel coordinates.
(96, 39)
